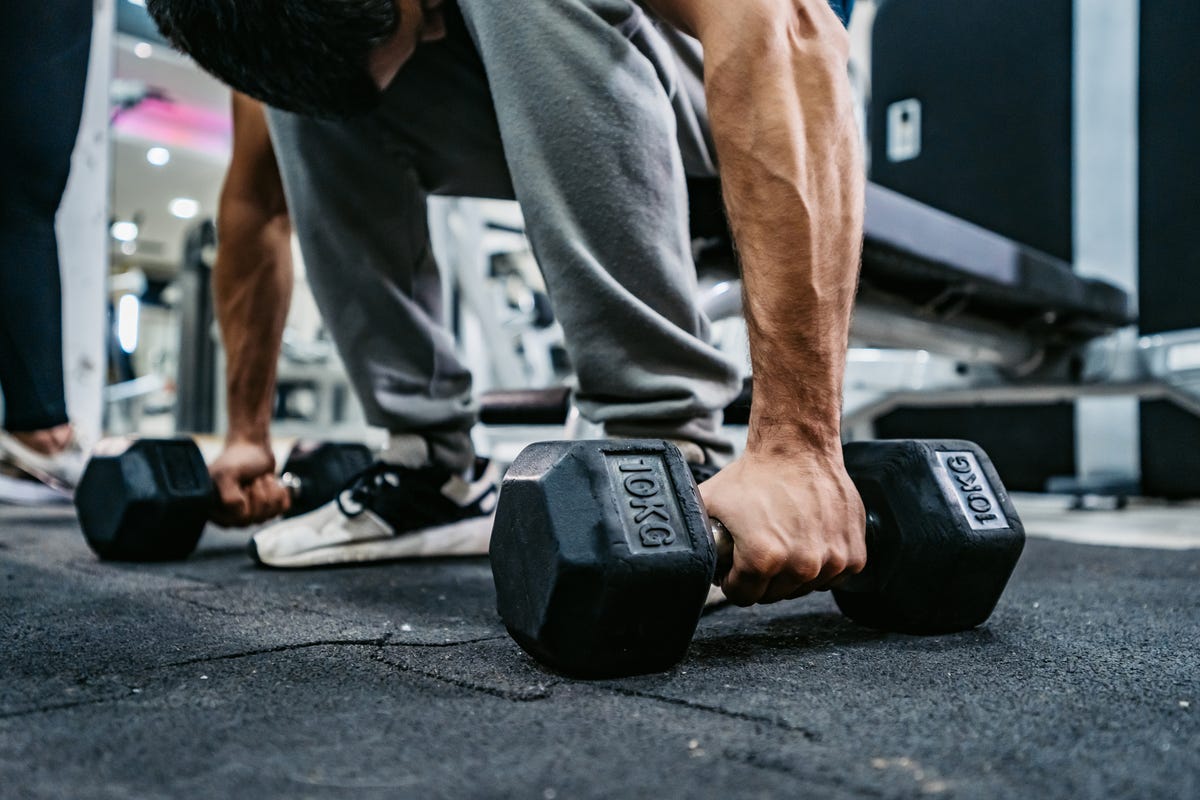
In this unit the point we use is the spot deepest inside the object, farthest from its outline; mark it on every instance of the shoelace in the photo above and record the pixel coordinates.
(355, 498)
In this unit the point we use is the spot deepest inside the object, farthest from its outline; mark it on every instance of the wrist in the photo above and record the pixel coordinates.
(797, 413)
(776, 448)
(248, 435)
(806, 439)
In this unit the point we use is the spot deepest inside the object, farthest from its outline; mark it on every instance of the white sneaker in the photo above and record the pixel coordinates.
(19, 489)
(388, 512)
(60, 471)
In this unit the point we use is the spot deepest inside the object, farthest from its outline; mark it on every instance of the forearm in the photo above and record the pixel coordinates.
(252, 284)
(783, 122)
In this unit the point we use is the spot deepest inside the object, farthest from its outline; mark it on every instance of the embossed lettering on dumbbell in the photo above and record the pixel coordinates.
(648, 507)
(966, 483)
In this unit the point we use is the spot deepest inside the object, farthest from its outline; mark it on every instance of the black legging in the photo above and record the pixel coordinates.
(44, 47)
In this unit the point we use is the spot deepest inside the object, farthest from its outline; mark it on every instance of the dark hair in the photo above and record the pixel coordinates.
(307, 56)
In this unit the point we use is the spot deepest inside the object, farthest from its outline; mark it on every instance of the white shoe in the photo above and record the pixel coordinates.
(19, 489)
(388, 512)
(60, 471)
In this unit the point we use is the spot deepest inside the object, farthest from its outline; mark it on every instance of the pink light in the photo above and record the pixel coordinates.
(178, 125)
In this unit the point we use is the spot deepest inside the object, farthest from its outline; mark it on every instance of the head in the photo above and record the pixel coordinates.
(326, 58)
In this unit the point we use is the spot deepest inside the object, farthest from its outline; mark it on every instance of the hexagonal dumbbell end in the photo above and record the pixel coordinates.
(148, 502)
(943, 540)
(602, 556)
(322, 469)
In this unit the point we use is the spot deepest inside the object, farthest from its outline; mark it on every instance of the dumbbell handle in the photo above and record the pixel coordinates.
(865, 581)
(298, 490)
(293, 484)
(290, 483)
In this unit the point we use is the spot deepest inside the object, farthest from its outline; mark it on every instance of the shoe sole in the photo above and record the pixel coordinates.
(31, 492)
(36, 465)
(466, 538)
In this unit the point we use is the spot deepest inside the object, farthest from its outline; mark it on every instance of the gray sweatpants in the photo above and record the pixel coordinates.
(587, 113)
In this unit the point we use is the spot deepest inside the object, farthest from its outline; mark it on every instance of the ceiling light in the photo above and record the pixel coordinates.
(184, 207)
(158, 156)
(128, 248)
(124, 231)
(143, 50)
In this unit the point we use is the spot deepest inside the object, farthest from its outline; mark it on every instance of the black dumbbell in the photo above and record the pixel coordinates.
(602, 552)
(151, 501)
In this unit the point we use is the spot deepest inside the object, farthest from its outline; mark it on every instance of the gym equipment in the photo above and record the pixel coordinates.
(953, 315)
(603, 554)
(151, 501)
(1125, 212)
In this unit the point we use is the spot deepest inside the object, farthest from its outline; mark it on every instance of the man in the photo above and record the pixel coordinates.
(590, 113)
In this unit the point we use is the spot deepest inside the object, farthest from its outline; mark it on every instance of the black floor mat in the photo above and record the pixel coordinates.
(211, 678)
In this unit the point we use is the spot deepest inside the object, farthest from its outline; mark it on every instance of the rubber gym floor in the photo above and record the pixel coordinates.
(211, 678)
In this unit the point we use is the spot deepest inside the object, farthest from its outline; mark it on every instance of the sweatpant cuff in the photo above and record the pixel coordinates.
(453, 450)
(705, 432)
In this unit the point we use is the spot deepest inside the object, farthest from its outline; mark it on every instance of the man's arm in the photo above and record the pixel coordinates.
(252, 284)
(782, 118)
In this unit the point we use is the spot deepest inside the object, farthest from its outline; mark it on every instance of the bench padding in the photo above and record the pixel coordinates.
(947, 266)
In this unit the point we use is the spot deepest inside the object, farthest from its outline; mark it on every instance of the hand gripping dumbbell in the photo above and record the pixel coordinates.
(602, 552)
(151, 501)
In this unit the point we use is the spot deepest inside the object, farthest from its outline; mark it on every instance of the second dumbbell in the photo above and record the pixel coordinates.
(151, 501)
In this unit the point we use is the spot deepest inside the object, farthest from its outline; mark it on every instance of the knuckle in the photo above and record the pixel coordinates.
(806, 568)
(835, 565)
(746, 573)
(765, 562)
(737, 593)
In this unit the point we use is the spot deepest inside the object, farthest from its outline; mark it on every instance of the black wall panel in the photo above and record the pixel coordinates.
(1169, 225)
(1170, 451)
(1007, 436)
(994, 79)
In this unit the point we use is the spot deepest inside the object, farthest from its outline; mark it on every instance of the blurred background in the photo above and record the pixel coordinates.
(1063, 128)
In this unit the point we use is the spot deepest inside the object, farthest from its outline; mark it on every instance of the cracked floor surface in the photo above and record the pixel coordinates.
(211, 678)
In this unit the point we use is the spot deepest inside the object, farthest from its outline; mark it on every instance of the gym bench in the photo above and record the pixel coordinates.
(1013, 324)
